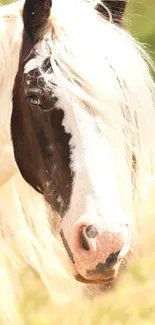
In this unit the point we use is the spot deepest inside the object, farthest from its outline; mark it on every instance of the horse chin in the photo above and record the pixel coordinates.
(107, 279)
(100, 281)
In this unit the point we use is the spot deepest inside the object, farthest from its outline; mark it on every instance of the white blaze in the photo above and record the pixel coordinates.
(95, 196)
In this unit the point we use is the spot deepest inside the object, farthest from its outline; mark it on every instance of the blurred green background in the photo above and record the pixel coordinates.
(140, 20)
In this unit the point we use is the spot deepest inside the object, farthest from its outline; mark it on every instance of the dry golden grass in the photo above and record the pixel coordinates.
(132, 302)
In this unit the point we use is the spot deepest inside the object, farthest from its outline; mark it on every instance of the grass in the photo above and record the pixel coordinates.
(132, 302)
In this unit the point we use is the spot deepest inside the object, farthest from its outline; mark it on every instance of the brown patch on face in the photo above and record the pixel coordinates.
(41, 145)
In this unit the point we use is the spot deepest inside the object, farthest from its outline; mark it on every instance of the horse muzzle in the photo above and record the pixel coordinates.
(96, 254)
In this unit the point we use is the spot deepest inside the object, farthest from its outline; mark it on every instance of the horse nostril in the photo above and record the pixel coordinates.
(91, 231)
(112, 258)
(83, 241)
(87, 233)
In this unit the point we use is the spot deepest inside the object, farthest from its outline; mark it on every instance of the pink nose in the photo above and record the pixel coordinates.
(97, 251)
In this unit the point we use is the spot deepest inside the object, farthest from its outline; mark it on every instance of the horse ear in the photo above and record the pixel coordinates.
(115, 7)
(35, 17)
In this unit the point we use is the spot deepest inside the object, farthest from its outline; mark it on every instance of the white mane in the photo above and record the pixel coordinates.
(103, 69)
(10, 41)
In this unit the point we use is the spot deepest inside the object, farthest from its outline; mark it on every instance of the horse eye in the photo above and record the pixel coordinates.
(35, 100)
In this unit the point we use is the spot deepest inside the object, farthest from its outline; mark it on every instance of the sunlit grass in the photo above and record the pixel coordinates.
(131, 302)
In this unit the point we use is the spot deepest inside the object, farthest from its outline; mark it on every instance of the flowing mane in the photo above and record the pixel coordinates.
(118, 56)
(10, 41)
(19, 204)
(81, 36)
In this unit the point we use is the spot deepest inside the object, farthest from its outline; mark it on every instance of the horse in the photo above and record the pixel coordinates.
(79, 114)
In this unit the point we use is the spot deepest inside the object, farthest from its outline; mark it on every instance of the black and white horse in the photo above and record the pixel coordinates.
(82, 128)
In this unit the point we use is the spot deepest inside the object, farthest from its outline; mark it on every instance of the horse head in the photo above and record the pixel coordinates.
(74, 126)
